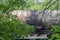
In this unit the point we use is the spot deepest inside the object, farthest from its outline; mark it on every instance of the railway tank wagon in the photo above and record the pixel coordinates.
(35, 18)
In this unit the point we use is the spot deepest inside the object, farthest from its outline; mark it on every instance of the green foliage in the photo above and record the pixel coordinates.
(56, 32)
(9, 5)
(56, 28)
(11, 27)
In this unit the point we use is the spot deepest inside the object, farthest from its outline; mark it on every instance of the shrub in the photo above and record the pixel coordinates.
(11, 27)
(56, 32)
